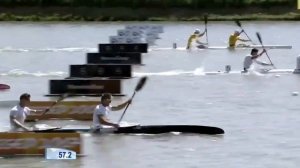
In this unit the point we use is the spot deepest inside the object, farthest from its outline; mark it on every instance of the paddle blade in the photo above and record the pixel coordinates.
(141, 83)
(238, 23)
(138, 87)
(259, 37)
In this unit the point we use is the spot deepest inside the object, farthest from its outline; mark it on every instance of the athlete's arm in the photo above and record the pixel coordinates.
(202, 34)
(19, 124)
(121, 106)
(198, 42)
(103, 120)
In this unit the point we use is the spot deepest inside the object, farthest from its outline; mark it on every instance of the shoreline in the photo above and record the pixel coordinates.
(144, 14)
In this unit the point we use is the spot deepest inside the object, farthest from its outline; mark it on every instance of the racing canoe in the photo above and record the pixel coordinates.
(225, 47)
(142, 129)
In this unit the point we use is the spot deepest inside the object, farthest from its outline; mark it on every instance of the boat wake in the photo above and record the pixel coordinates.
(165, 73)
(202, 72)
(66, 49)
(196, 72)
(19, 72)
(95, 49)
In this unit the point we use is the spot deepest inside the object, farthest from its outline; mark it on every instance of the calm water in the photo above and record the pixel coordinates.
(258, 112)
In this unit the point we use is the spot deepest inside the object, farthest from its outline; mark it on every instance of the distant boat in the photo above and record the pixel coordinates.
(4, 87)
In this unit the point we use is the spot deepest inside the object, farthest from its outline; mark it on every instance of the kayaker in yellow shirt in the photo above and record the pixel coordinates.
(233, 38)
(195, 38)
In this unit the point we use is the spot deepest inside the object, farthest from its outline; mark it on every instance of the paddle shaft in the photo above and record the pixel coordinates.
(138, 87)
(205, 19)
(54, 103)
(240, 25)
(260, 40)
(126, 108)
(247, 36)
(206, 34)
(268, 56)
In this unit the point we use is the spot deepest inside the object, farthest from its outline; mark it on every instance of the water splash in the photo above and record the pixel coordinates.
(68, 49)
(63, 49)
(199, 71)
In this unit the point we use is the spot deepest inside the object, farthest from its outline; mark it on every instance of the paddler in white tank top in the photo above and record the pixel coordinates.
(101, 112)
(249, 59)
(19, 113)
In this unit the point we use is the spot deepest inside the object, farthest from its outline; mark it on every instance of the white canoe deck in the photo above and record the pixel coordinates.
(225, 47)
(272, 71)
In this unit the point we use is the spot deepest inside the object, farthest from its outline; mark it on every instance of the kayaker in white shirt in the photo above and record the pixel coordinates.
(100, 116)
(249, 59)
(19, 113)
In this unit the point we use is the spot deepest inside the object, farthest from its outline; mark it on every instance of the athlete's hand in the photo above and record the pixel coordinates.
(116, 125)
(129, 101)
(28, 129)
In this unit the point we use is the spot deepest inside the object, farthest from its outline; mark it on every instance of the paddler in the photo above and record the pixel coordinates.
(233, 38)
(249, 59)
(19, 113)
(195, 37)
(101, 112)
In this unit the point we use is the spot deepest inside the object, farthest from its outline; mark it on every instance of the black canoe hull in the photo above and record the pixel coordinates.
(148, 129)
(159, 129)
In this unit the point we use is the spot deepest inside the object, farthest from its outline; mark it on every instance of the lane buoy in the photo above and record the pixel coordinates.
(295, 93)
(297, 70)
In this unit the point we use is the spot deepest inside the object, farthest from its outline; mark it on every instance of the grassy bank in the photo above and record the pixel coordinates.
(143, 14)
(165, 4)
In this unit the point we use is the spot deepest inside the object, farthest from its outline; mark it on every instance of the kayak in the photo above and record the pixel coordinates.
(141, 129)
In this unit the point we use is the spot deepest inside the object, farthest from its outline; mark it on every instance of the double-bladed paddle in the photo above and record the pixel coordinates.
(260, 40)
(240, 25)
(138, 87)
